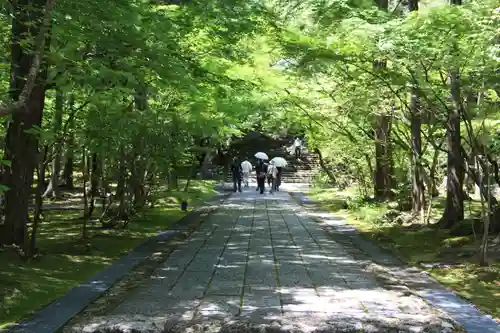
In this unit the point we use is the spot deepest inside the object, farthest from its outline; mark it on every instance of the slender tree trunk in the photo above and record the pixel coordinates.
(190, 174)
(85, 171)
(53, 187)
(69, 157)
(485, 192)
(418, 187)
(56, 162)
(431, 178)
(173, 177)
(37, 215)
(94, 183)
(383, 178)
(486, 212)
(21, 146)
(433, 184)
(121, 186)
(383, 174)
(325, 169)
(138, 166)
(104, 184)
(137, 181)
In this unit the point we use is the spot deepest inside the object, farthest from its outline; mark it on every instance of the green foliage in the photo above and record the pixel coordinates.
(193, 61)
(145, 84)
(335, 91)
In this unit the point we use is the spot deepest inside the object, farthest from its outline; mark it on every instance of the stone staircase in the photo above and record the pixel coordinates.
(297, 171)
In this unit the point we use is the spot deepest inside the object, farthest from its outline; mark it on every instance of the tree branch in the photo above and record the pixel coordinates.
(35, 66)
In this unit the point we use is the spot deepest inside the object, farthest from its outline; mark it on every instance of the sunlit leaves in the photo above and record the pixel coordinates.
(335, 44)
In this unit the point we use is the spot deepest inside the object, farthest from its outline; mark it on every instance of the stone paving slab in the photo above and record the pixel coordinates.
(227, 280)
(260, 265)
(205, 262)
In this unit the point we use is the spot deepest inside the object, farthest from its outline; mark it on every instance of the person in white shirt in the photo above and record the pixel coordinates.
(297, 144)
(247, 167)
(272, 173)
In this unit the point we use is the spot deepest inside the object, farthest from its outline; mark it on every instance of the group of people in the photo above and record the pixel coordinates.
(263, 171)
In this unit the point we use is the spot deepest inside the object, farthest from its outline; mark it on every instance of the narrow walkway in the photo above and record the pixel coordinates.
(259, 260)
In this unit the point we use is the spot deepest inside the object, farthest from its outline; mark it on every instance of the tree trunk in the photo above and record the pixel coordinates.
(104, 184)
(173, 179)
(137, 172)
(383, 174)
(486, 212)
(138, 166)
(325, 169)
(432, 183)
(94, 183)
(21, 146)
(454, 209)
(37, 214)
(485, 192)
(56, 162)
(418, 188)
(121, 186)
(383, 182)
(53, 187)
(85, 171)
(69, 157)
(190, 175)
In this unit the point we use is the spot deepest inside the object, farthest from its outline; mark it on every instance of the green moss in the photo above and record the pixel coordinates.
(480, 285)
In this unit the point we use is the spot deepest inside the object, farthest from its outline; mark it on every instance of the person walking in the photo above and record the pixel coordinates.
(278, 178)
(269, 176)
(272, 173)
(246, 167)
(237, 174)
(261, 171)
(297, 144)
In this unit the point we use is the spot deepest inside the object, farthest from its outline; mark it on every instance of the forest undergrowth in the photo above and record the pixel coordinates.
(65, 260)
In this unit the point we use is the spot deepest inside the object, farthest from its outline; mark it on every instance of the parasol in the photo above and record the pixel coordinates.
(261, 156)
(279, 162)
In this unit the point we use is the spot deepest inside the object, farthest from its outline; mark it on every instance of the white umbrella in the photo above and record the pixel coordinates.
(261, 156)
(279, 162)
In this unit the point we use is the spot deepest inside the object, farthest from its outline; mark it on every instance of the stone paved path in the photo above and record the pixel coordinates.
(259, 260)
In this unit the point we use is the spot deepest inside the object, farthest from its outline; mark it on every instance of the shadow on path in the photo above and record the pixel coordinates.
(396, 274)
(261, 263)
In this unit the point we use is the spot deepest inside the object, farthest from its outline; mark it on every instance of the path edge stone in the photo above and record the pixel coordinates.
(465, 313)
(55, 315)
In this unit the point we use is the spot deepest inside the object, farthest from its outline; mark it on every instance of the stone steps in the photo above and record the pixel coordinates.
(292, 174)
(297, 171)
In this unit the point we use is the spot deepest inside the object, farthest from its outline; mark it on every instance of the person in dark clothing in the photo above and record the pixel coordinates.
(237, 174)
(261, 171)
(257, 168)
(278, 179)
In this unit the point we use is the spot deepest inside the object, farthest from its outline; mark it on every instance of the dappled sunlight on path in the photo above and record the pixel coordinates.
(261, 261)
